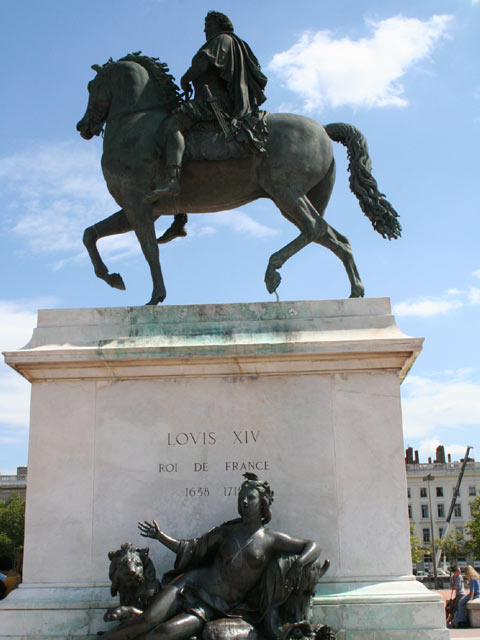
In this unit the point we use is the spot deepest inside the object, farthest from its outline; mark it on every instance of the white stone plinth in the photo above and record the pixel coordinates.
(148, 412)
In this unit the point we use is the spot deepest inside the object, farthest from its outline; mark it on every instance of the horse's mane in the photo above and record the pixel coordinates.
(159, 72)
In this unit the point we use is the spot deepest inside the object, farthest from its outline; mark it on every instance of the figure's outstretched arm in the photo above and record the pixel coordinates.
(148, 530)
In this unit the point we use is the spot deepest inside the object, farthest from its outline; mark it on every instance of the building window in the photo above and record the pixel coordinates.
(457, 512)
(424, 510)
(440, 532)
(440, 510)
(459, 530)
(426, 535)
(472, 491)
(423, 492)
(439, 492)
(410, 511)
(409, 493)
(453, 491)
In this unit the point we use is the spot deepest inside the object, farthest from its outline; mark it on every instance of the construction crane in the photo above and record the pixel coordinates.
(456, 492)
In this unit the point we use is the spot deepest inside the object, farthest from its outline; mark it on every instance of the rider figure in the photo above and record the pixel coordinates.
(226, 68)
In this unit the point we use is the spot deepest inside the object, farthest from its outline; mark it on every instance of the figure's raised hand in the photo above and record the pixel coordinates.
(149, 530)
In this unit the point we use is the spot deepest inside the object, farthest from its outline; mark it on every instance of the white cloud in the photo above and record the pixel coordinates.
(17, 321)
(454, 292)
(425, 308)
(450, 300)
(428, 446)
(474, 295)
(430, 404)
(55, 191)
(477, 272)
(14, 400)
(238, 222)
(324, 70)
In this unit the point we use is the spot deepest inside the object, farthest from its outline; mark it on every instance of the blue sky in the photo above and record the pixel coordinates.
(405, 73)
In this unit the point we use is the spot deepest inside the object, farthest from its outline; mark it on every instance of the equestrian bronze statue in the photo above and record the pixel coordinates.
(164, 154)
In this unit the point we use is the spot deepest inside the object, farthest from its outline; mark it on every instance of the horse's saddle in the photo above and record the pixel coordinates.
(248, 136)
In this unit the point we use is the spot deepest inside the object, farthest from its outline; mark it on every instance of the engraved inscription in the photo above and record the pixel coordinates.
(250, 465)
(245, 437)
(197, 492)
(188, 444)
(168, 468)
(199, 437)
(231, 491)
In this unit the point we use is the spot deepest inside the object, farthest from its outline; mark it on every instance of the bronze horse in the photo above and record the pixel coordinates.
(132, 97)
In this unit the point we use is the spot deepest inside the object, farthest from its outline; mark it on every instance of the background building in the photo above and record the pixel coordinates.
(11, 484)
(436, 495)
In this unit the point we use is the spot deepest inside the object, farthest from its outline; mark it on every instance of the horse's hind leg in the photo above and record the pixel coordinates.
(331, 238)
(278, 259)
(340, 246)
(299, 210)
(113, 225)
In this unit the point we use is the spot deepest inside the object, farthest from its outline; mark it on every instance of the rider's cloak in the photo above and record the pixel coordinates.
(240, 70)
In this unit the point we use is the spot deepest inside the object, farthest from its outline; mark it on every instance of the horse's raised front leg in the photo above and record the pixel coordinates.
(113, 225)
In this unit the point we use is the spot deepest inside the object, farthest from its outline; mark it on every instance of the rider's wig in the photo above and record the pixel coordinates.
(224, 23)
(266, 495)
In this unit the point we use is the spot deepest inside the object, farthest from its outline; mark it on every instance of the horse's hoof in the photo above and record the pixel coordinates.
(358, 291)
(155, 299)
(115, 280)
(272, 280)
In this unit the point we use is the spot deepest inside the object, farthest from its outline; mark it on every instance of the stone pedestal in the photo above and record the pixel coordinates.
(148, 412)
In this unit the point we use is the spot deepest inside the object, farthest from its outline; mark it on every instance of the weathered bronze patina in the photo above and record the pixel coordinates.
(135, 101)
(239, 580)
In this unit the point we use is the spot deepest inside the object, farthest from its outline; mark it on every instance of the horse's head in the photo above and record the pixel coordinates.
(133, 83)
(99, 102)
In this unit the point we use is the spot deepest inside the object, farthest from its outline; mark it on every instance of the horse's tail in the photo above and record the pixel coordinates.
(374, 205)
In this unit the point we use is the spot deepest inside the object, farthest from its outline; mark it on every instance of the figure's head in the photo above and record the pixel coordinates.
(215, 23)
(254, 491)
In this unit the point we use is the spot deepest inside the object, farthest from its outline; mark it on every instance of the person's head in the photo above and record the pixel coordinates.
(470, 572)
(253, 491)
(453, 568)
(215, 23)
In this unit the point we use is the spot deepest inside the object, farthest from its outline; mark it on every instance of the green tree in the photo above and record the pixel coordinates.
(473, 528)
(454, 546)
(12, 525)
(416, 547)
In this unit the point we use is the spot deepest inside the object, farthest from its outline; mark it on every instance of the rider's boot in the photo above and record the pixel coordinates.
(170, 185)
(176, 229)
